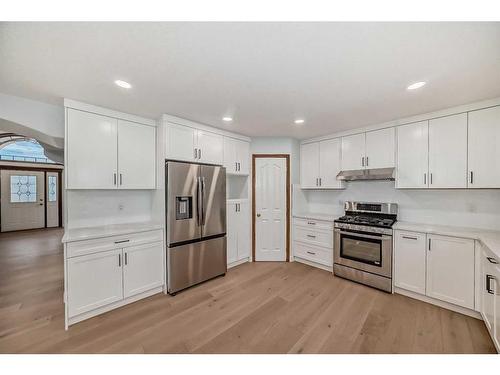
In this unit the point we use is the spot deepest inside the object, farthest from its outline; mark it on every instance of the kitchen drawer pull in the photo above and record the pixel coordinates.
(196, 153)
(471, 177)
(122, 241)
(311, 223)
(488, 284)
(410, 238)
(126, 259)
(492, 260)
(311, 252)
(119, 260)
(311, 236)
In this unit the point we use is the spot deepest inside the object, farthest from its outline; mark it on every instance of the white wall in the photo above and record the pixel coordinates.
(279, 145)
(470, 208)
(102, 207)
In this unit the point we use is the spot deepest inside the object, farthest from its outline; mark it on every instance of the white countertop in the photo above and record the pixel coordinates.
(316, 216)
(489, 238)
(80, 234)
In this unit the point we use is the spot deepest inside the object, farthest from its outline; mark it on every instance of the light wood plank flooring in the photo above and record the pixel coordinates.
(255, 308)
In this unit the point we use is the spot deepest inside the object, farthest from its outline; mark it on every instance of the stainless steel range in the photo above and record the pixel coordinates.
(363, 243)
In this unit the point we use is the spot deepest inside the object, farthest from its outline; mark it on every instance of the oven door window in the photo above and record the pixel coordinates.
(365, 250)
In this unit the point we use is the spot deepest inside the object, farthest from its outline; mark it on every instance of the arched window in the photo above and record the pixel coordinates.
(28, 150)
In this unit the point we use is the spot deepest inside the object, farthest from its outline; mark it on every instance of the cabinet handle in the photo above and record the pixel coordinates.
(492, 260)
(429, 244)
(311, 236)
(196, 153)
(114, 178)
(311, 252)
(431, 179)
(199, 153)
(320, 181)
(471, 177)
(119, 260)
(126, 259)
(362, 161)
(121, 179)
(410, 238)
(425, 178)
(311, 223)
(239, 167)
(488, 283)
(236, 166)
(317, 183)
(367, 161)
(122, 241)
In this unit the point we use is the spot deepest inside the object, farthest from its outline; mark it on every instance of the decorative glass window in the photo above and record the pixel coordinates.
(52, 188)
(22, 189)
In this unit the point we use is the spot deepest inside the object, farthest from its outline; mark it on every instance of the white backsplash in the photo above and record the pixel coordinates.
(86, 208)
(460, 207)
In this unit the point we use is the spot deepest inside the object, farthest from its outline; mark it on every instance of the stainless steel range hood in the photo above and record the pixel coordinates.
(367, 174)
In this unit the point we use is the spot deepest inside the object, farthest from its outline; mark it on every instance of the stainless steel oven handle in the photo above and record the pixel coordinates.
(383, 237)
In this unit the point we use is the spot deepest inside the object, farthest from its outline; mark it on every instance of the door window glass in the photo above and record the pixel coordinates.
(22, 189)
(52, 188)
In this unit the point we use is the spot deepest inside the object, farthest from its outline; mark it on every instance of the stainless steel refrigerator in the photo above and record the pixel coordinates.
(196, 223)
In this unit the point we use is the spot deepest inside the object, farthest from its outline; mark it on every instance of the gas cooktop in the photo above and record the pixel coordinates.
(367, 220)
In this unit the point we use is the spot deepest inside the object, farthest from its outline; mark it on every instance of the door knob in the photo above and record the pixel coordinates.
(258, 215)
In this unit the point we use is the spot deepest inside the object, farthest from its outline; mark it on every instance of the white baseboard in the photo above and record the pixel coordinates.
(445, 305)
(238, 262)
(313, 264)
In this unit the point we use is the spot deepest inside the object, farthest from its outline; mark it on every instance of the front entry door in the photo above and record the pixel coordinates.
(270, 209)
(22, 200)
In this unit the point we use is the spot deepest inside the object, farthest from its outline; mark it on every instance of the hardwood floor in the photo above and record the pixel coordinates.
(255, 308)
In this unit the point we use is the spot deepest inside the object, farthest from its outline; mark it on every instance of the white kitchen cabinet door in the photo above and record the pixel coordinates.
(496, 297)
(230, 155)
(483, 149)
(329, 164)
(93, 281)
(181, 141)
(210, 147)
(448, 152)
(450, 270)
(91, 149)
(353, 152)
(380, 148)
(412, 156)
(309, 165)
(409, 261)
(136, 156)
(142, 268)
(243, 152)
(232, 232)
(487, 297)
(243, 230)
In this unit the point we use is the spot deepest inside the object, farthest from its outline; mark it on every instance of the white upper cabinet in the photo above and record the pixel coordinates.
(329, 164)
(191, 144)
(91, 151)
(309, 165)
(380, 148)
(181, 142)
(448, 152)
(210, 147)
(136, 155)
(236, 156)
(450, 270)
(412, 155)
(353, 152)
(483, 148)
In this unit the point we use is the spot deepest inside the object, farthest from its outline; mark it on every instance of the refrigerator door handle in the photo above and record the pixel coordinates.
(202, 200)
(199, 207)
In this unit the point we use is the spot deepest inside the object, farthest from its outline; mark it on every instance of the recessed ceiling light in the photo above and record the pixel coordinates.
(416, 85)
(227, 119)
(123, 84)
(299, 121)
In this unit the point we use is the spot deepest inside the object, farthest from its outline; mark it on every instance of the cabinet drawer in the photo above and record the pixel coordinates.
(97, 245)
(322, 238)
(313, 253)
(310, 223)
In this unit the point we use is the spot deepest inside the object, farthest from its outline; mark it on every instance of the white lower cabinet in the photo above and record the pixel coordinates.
(439, 267)
(142, 268)
(94, 281)
(99, 278)
(409, 261)
(238, 231)
(313, 241)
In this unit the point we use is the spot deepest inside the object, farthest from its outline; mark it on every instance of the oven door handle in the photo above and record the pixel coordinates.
(383, 237)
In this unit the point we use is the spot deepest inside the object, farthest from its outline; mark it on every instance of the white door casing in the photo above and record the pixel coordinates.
(52, 199)
(270, 209)
(22, 207)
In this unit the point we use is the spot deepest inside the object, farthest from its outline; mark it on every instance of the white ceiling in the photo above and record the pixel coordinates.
(335, 75)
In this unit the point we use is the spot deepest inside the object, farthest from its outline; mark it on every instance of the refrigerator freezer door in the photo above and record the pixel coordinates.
(213, 187)
(183, 220)
(195, 262)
